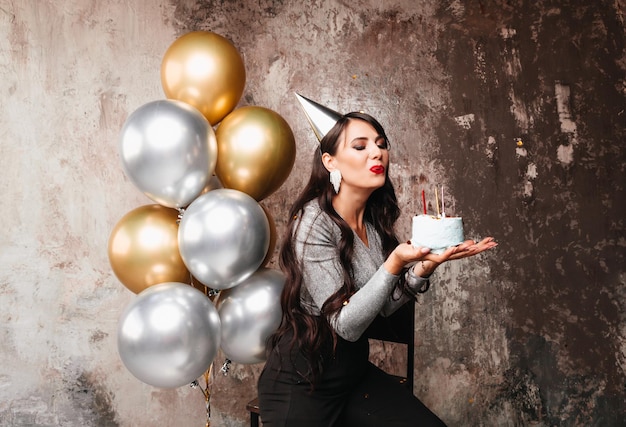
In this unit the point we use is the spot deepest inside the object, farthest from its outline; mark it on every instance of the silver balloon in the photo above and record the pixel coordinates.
(169, 151)
(169, 335)
(213, 184)
(249, 313)
(223, 237)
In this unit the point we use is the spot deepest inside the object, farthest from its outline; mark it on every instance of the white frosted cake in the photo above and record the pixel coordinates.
(437, 233)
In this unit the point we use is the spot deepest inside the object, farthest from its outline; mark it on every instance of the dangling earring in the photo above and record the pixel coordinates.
(335, 179)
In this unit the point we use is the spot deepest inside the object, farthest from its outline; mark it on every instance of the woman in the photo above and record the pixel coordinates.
(344, 266)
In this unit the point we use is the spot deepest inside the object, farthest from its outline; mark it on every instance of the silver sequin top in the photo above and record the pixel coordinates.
(317, 244)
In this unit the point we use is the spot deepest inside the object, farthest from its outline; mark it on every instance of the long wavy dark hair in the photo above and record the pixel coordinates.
(312, 334)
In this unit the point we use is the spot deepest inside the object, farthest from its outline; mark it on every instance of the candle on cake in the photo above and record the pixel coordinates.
(437, 232)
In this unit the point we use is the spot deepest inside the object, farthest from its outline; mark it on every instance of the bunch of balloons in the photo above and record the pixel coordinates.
(207, 165)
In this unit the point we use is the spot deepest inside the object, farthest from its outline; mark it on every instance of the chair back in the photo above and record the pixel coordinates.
(398, 328)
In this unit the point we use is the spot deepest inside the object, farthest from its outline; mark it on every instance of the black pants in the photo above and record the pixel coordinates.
(351, 392)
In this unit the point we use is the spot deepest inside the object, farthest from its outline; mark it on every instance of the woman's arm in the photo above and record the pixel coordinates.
(316, 246)
(405, 290)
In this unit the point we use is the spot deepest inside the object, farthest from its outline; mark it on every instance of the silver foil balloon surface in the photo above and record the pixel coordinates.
(169, 151)
(169, 335)
(249, 313)
(223, 237)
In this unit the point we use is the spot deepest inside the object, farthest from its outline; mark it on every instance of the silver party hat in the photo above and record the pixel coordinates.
(321, 118)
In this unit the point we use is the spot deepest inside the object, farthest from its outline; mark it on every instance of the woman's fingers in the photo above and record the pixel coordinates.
(476, 248)
(466, 249)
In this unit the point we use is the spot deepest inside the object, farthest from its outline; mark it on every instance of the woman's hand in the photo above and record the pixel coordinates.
(466, 249)
(470, 248)
(405, 253)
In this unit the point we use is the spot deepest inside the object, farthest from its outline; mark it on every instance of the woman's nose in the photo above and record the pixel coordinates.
(375, 151)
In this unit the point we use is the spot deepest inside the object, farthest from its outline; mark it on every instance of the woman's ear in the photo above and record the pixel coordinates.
(328, 161)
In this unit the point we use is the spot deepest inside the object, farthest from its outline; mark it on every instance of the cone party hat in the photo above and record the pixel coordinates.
(321, 118)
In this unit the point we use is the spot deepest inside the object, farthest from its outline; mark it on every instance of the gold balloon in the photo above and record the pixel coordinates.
(273, 237)
(143, 248)
(205, 70)
(256, 151)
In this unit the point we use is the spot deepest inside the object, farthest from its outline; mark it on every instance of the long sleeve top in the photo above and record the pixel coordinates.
(317, 240)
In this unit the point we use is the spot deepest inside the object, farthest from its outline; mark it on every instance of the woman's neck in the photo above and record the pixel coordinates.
(351, 208)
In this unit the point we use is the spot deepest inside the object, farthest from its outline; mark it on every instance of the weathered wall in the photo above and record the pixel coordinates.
(532, 333)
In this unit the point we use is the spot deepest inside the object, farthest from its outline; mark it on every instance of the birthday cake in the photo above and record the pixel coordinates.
(437, 232)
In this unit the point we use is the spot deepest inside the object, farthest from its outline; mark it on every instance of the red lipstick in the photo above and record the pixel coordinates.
(378, 169)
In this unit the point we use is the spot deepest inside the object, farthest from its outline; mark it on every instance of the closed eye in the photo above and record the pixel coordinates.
(382, 143)
(360, 144)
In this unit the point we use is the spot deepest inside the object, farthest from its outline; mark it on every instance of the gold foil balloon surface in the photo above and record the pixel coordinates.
(256, 151)
(205, 70)
(143, 248)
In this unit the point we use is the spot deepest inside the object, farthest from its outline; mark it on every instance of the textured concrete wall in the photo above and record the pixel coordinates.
(516, 107)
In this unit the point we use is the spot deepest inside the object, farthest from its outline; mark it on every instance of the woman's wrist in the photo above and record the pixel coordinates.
(423, 269)
(415, 284)
(393, 264)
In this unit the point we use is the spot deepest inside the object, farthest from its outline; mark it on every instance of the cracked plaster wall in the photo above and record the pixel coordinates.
(516, 107)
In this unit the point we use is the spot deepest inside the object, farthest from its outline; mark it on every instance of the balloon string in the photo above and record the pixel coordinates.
(206, 392)
(207, 396)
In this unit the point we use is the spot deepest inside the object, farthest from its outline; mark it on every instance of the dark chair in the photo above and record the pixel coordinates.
(398, 328)
(253, 408)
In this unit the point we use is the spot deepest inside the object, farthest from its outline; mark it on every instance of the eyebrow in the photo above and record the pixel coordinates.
(364, 138)
(359, 138)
